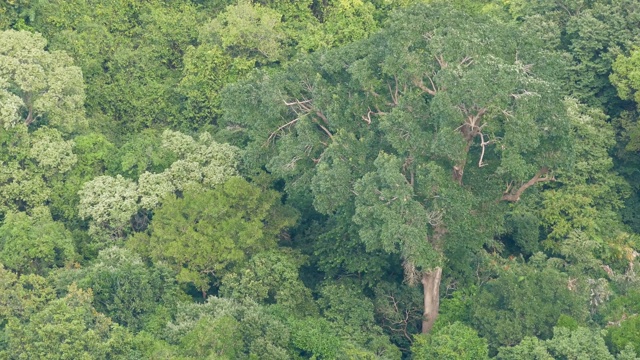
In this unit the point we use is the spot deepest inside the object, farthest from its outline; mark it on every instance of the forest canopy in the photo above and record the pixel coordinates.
(338, 179)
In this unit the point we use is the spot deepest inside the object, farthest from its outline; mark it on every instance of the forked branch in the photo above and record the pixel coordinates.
(541, 176)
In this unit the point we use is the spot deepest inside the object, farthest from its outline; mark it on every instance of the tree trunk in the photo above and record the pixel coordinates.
(431, 286)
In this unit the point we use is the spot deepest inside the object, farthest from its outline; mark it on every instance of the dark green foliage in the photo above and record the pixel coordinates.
(516, 304)
(124, 288)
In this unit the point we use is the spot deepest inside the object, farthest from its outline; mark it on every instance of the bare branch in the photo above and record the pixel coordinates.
(468, 60)
(274, 133)
(541, 176)
(440, 59)
(394, 93)
(322, 116)
(424, 88)
(483, 144)
(326, 131)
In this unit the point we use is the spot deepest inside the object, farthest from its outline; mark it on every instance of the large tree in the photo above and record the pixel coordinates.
(420, 135)
(38, 85)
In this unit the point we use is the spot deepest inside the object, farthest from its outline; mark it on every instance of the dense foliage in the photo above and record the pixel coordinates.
(306, 179)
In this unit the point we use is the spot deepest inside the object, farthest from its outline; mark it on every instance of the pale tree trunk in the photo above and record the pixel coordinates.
(431, 286)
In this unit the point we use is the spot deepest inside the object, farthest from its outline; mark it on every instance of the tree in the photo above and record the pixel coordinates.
(22, 295)
(250, 31)
(419, 135)
(224, 328)
(111, 202)
(66, 328)
(206, 233)
(581, 343)
(269, 277)
(593, 33)
(516, 304)
(453, 342)
(37, 85)
(130, 52)
(35, 243)
(24, 183)
(123, 287)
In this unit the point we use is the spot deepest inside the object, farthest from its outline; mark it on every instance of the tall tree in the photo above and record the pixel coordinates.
(419, 135)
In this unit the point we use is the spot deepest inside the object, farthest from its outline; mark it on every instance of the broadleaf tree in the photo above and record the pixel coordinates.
(420, 135)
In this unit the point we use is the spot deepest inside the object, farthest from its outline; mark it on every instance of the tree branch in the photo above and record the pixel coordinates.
(541, 176)
(274, 133)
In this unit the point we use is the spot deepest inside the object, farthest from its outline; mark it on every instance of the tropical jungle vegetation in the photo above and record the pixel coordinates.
(320, 179)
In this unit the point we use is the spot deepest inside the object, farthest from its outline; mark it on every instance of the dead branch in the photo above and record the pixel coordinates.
(322, 116)
(274, 133)
(420, 84)
(440, 59)
(326, 131)
(394, 93)
(367, 118)
(541, 176)
(468, 60)
(483, 144)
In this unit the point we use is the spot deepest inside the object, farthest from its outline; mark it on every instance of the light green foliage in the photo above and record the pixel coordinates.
(207, 69)
(130, 53)
(269, 277)
(109, 202)
(626, 76)
(33, 165)
(95, 156)
(34, 244)
(627, 354)
(20, 189)
(453, 342)
(343, 22)
(590, 192)
(66, 328)
(205, 233)
(22, 295)
(202, 161)
(223, 328)
(51, 152)
(346, 21)
(124, 288)
(248, 30)
(581, 343)
(315, 336)
(516, 304)
(37, 85)
(530, 348)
